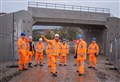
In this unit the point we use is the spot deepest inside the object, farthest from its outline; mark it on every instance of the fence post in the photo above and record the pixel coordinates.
(116, 53)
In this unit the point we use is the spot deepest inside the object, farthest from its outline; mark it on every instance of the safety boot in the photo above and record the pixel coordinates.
(35, 65)
(54, 75)
(41, 64)
(81, 74)
(60, 64)
(29, 65)
(90, 67)
(77, 71)
(65, 64)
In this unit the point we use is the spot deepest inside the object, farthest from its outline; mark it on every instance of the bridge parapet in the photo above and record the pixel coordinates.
(68, 7)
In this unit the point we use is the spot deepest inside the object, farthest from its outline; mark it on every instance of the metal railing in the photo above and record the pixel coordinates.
(68, 7)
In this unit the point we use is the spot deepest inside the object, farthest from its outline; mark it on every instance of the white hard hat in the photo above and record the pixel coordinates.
(40, 39)
(57, 35)
(30, 37)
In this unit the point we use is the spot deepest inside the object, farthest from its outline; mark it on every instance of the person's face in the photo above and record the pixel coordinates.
(93, 41)
(30, 40)
(64, 42)
(22, 37)
(57, 38)
(40, 41)
(80, 39)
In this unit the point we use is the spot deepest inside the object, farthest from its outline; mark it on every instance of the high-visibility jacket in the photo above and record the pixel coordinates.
(27, 43)
(93, 48)
(39, 48)
(22, 46)
(81, 48)
(64, 49)
(47, 50)
(54, 47)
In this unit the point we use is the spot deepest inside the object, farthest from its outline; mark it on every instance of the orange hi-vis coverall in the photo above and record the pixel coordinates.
(75, 59)
(93, 51)
(22, 52)
(31, 51)
(39, 52)
(48, 55)
(81, 55)
(63, 53)
(54, 51)
(27, 47)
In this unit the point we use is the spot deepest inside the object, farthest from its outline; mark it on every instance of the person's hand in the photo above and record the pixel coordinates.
(96, 54)
(42, 36)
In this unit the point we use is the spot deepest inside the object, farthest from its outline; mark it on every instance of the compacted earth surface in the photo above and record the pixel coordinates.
(103, 73)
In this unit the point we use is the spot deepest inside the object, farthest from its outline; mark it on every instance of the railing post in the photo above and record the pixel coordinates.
(95, 9)
(80, 8)
(72, 7)
(37, 4)
(108, 10)
(55, 6)
(28, 3)
(103, 10)
(88, 9)
(46, 5)
(64, 7)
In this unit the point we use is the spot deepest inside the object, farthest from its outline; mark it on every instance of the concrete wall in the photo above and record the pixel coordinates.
(6, 32)
(68, 16)
(23, 21)
(113, 25)
(99, 34)
(20, 21)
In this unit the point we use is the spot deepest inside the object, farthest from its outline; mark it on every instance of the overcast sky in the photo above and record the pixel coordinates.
(16, 5)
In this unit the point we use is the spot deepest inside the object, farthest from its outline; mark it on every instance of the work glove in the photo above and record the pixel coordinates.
(75, 56)
(43, 37)
(96, 54)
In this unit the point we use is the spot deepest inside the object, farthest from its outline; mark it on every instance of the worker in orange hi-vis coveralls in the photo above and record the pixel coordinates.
(64, 50)
(31, 51)
(48, 55)
(54, 51)
(81, 54)
(22, 51)
(27, 44)
(93, 51)
(39, 52)
(75, 55)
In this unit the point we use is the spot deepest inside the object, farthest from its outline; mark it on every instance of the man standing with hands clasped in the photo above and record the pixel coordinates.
(93, 51)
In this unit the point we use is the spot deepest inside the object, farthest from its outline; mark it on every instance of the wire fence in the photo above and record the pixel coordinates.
(114, 53)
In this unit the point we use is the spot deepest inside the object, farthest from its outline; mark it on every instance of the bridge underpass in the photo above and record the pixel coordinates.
(92, 24)
(88, 31)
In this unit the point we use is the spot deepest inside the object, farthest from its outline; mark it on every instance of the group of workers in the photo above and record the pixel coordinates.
(54, 49)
